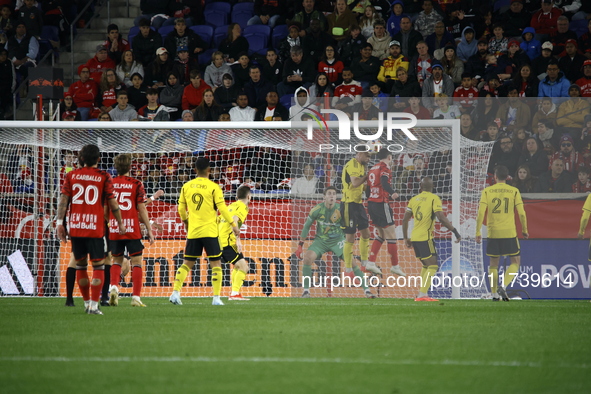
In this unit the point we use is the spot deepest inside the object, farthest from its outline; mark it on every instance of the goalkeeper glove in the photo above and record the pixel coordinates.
(299, 250)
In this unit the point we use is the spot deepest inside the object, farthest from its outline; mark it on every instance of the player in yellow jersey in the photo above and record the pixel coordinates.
(425, 207)
(585, 221)
(353, 212)
(230, 243)
(202, 198)
(499, 203)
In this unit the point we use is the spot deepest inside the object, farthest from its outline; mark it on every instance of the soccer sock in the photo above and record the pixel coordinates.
(375, 249)
(70, 282)
(232, 275)
(393, 250)
(430, 271)
(82, 276)
(216, 280)
(98, 275)
(106, 283)
(495, 279)
(510, 274)
(180, 277)
(348, 254)
(238, 280)
(137, 278)
(360, 274)
(307, 273)
(115, 275)
(364, 248)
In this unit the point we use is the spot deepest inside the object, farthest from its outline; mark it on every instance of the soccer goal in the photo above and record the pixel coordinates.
(287, 165)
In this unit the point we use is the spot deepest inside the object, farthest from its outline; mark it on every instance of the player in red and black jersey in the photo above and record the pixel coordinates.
(86, 190)
(131, 196)
(380, 193)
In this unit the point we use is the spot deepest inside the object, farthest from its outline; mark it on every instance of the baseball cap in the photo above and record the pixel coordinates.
(182, 48)
(587, 63)
(513, 42)
(566, 137)
(161, 50)
(571, 41)
(436, 63)
(101, 48)
(394, 42)
(67, 94)
(547, 45)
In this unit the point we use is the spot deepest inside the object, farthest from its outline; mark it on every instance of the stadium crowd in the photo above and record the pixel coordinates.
(437, 59)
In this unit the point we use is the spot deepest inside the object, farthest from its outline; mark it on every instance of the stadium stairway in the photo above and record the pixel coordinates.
(85, 45)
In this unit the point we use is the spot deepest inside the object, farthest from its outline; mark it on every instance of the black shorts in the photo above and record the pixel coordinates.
(353, 217)
(83, 247)
(380, 213)
(195, 246)
(424, 249)
(497, 247)
(134, 247)
(231, 255)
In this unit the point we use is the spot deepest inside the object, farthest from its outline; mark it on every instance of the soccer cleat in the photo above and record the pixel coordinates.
(94, 311)
(306, 294)
(113, 296)
(175, 298)
(350, 274)
(373, 268)
(395, 269)
(137, 302)
(429, 299)
(238, 297)
(369, 294)
(70, 303)
(496, 298)
(104, 303)
(216, 301)
(503, 293)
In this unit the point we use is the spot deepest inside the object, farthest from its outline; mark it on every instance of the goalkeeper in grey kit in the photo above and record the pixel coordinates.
(329, 238)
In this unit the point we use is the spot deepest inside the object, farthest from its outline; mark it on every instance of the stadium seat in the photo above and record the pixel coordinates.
(242, 12)
(285, 100)
(48, 33)
(164, 31)
(204, 31)
(258, 38)
(279, 33)
(219, 6)
(579, 27)
(499, 4)
(205, 57)
(215, 18)
(219, 35)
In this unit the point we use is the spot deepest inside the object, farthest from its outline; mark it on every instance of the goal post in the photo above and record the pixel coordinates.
(270, 156)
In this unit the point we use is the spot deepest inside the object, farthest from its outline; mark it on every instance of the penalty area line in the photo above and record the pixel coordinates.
(445, 362)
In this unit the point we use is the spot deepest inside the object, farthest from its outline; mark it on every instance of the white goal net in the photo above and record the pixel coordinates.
(288, 173)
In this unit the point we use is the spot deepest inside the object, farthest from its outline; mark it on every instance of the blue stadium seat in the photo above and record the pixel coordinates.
(279, 33)
(241, 17)
(205, 57)
(47, 33)
(205, 32)
(164, 31)
(215, 18)
(285, 100)
(219, 35)
(219, 6)
(501, 4)
(258, 38)
(242, 12)
(579, 27)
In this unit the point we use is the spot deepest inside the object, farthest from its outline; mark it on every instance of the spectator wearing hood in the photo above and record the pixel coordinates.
(531, 46)
(395, 17)
(302, 105)
(226, 94)
(172, 94)
(468, 45)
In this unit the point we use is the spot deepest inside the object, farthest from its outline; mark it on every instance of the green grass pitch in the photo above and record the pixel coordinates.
(296, 346)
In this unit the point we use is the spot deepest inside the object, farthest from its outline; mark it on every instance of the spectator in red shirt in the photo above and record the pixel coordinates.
(570, 157)
(99, 63)
(583, 184)
(193, 93)
(115, 44)
(585, 81)
(84, 92)
(545, 19)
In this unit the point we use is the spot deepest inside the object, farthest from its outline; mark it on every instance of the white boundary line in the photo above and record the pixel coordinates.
(467, 363)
